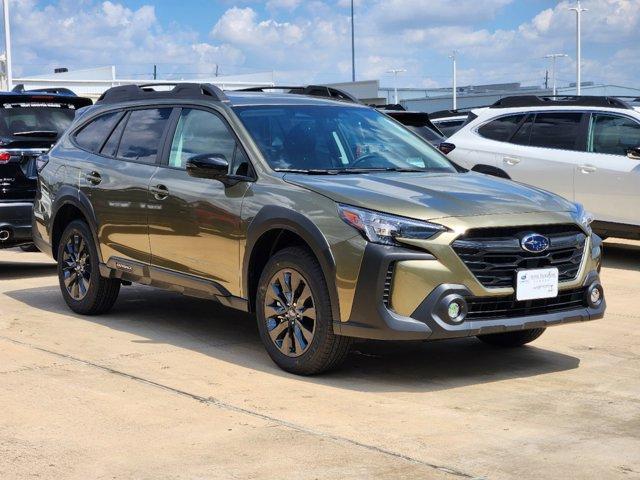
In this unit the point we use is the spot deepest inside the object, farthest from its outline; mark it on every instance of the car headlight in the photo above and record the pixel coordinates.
(584, 218)
(385, 229)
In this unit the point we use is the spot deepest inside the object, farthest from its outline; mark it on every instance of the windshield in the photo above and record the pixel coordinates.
(337, 139)
(39, 121)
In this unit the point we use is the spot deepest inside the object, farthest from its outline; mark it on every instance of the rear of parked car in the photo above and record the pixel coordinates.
(29, 125)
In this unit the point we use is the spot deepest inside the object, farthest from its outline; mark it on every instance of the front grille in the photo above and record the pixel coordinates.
(386, 292)
(488, 308)
(494, 255)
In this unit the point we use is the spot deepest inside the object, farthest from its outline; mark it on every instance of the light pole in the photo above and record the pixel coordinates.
(353, 47)
(395, 72)
(578, 9)
(7, 43)
(553, 57)
(453, 57)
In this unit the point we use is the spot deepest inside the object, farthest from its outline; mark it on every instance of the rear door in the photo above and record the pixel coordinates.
(545, 150)
(607, 182)
(124, 149)
(194, 223)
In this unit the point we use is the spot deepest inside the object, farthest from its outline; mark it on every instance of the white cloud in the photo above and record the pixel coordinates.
(309, 41)
(241, 26)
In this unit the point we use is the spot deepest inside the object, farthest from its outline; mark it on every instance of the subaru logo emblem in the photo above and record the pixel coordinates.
(534, 243)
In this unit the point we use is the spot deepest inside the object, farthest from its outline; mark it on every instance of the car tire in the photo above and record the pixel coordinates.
(295, 340)
(29, 248)
(512, 339)
(83, 288)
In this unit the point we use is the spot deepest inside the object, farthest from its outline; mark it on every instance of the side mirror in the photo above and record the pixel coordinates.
(208, 165)
(633, 153)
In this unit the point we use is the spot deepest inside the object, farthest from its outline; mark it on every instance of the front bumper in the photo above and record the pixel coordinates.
(373, 316)
(15, 218)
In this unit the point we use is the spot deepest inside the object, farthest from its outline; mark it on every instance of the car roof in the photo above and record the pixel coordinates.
(493, 112)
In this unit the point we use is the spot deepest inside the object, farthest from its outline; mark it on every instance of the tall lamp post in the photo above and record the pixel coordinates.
(553, 57)
(7, 44)
(395, 72)
(453, 57)
(578, 9)
(353, 47)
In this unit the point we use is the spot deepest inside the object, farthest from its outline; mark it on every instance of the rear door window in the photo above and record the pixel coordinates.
(142, 134)
(613, 134)
(94, 134)
(559, 130)
(501, 129)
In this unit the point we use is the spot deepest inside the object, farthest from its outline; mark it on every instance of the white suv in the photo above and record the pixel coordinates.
(586, 149)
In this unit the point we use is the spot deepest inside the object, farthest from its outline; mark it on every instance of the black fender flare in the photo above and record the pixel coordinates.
(68, 195)
(490, 170)
(280, 218)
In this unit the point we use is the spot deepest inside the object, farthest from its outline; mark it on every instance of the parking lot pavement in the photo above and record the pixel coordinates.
(170, 387)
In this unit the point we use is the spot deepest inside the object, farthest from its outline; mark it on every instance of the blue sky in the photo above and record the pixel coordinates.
(309, 40)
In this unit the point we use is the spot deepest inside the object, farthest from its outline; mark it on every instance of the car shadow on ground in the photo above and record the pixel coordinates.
(207, 328)
(12, 270)
(621, 256)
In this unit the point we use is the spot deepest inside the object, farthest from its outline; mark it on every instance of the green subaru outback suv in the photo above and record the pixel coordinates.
(327, 219)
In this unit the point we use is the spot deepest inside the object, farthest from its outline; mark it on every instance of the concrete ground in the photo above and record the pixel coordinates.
(167, 387)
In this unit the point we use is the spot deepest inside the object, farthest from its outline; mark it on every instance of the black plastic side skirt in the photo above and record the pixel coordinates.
(132, 271)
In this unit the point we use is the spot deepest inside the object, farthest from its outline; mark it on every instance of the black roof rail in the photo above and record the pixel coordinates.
(146, 91)
(560, 100)
(312, 90)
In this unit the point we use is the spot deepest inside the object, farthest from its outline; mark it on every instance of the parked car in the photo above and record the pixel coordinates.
(30, 123)
(418, 122)
(449, 121)
(586, 149)
(325, 218)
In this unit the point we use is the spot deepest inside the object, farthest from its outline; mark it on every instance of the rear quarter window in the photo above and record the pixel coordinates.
(501, 129)
(93, 135)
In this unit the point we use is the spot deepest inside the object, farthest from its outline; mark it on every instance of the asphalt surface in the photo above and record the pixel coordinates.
(168, 387)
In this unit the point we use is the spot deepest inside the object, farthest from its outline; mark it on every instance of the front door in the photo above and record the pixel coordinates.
(607, 182)
(194, 223)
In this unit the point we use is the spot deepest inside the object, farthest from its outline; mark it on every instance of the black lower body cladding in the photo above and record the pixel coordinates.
(371, 318)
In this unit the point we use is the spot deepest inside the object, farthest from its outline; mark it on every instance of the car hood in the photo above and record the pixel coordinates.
(428, 196)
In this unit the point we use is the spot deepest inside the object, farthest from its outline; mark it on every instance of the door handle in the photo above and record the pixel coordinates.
(160, 192)
(94, 178)
(587, 169)
(511, 160)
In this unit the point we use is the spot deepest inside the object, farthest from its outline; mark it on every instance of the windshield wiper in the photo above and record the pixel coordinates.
(345, 171)
(36, 133)
(385, 169)
(308, 171)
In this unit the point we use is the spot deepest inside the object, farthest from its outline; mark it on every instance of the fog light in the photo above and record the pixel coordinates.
(453, 309)
(595, 294)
